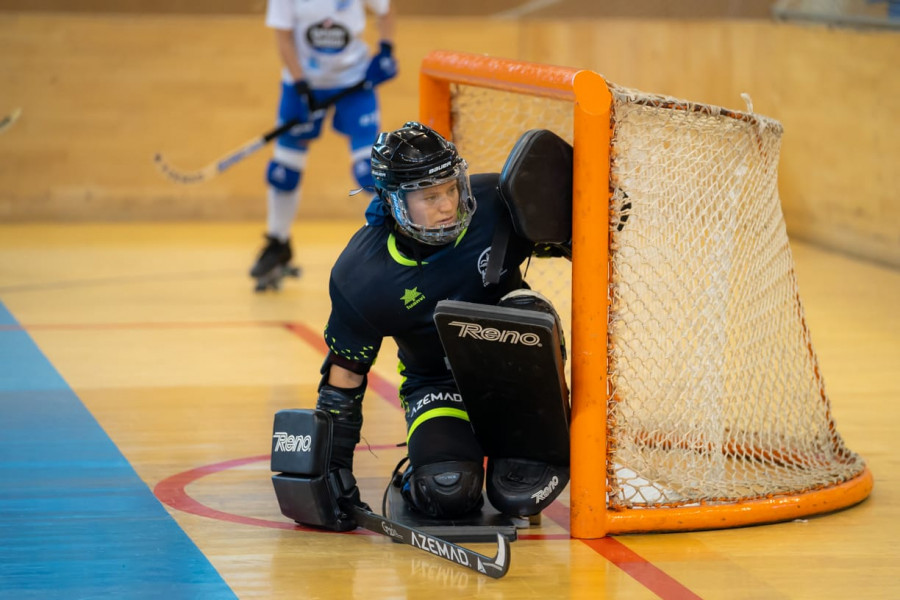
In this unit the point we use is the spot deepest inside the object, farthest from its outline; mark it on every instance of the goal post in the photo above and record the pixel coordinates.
(697, 399)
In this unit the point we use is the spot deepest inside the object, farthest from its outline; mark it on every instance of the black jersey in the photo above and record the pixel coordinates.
(377, 291)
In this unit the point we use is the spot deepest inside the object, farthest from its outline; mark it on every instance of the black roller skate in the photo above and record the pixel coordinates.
(273, 265)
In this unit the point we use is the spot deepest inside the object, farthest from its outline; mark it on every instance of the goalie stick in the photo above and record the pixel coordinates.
(7, 121)
(495, 567)
(239, 154)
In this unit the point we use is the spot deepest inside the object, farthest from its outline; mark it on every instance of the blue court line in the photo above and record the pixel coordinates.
(75, 519)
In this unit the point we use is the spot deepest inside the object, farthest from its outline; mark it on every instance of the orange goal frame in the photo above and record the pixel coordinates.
(592, 110)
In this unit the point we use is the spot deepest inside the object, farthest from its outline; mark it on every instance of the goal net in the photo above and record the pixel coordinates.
(697, 397)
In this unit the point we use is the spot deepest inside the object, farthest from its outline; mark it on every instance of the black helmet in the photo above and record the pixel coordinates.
(416, 157)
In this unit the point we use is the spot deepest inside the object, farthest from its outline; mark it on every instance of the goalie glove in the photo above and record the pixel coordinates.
(310, 487)
(553, 250)
(312, 455)
(383, 65)
(345, 408)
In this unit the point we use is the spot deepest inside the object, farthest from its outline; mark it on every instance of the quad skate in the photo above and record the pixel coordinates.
(274, 279)
(273, 265)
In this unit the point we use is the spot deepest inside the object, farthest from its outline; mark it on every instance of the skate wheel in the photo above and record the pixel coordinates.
(274, 279)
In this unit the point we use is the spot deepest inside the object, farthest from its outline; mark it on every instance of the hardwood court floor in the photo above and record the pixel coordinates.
(155, 330)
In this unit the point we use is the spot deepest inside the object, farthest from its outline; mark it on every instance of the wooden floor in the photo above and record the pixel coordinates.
(164, 349)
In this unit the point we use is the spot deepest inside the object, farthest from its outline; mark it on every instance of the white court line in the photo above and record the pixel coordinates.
(524, 9)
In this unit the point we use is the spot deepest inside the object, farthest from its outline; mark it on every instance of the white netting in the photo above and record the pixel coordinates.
(715, 393)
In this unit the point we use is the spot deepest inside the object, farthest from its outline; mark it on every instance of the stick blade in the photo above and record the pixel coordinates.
(495, 567)
(7, 121)
(500, 564)
(178, 176)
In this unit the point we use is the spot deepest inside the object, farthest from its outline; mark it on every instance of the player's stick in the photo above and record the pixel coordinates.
(239, 154)
(495, 567)
(7, 121)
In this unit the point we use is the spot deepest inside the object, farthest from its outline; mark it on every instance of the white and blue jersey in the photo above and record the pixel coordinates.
(328, 35)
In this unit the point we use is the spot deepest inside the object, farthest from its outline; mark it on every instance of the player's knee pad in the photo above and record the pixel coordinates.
(522, 487)
(282, 177)
(445, 489)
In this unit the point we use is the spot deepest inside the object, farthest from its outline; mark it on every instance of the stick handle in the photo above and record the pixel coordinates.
(314, 106)
(236, 156)
(283, 128)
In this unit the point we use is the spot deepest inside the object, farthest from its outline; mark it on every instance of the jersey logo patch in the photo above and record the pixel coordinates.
(412, 297)
(328, 37)
(483, 263)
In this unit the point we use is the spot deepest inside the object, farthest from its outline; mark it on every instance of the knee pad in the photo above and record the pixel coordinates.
(282, 177)
(446, 489)
(529, 300)
(522, 487)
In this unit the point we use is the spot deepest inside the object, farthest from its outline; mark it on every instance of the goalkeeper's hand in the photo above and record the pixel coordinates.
(342, 484)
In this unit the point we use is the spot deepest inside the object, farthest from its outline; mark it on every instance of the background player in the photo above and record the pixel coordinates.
(424, 241)
(323, 54)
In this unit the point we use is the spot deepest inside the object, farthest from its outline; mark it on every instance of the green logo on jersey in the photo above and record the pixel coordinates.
(412, 297)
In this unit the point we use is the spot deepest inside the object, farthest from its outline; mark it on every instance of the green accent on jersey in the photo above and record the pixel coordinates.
(437, 412)
(366, 354)
(412, 297)
(397, 255)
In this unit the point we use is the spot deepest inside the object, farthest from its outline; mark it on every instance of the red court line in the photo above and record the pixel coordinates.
(172, 490)
(377, 383)
(640, 569)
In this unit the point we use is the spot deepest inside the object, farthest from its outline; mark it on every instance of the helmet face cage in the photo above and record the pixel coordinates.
(398, 199)
(415, 158)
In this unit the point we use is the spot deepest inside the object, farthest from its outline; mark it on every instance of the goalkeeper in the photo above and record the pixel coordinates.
(428, 237)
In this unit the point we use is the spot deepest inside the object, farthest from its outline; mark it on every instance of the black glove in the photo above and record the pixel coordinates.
(553, 250)
(343, 484)
(345, 407)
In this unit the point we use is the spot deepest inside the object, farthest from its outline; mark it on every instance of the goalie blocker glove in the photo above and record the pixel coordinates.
(312, 489)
